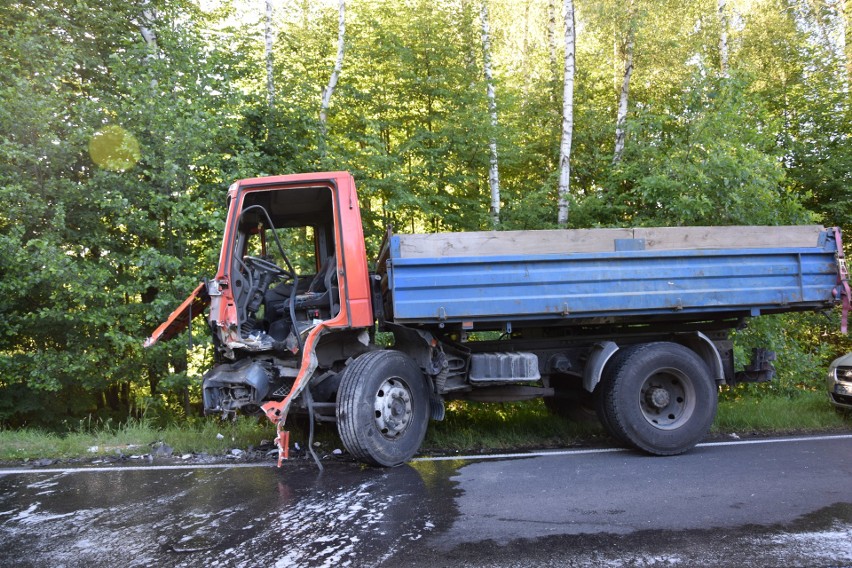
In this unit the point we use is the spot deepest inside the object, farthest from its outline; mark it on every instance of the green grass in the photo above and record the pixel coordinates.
(807, 411)
(471, 426)
(134, 437)
(468, 427)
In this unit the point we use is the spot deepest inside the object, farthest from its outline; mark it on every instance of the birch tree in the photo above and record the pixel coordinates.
(723, 38)
(338, 66)
(567, 115)
(269, 39)
(845, 39)
(493, 171)
(144, 22)
(830, 17)
(624, 50)
(551, 40)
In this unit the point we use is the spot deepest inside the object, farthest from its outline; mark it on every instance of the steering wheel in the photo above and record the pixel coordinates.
(266, 266)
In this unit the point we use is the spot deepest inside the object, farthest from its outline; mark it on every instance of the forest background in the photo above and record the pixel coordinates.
(123, 123)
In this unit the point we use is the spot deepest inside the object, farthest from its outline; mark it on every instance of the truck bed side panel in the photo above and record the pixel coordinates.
(627, 283)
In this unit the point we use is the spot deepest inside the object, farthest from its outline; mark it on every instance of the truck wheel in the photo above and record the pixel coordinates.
(382, 408)
(598, 395)
(658, 397)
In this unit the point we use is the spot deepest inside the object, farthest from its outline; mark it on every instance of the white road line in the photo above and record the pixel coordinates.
(543, 453)
(546, 453)
(777, 440)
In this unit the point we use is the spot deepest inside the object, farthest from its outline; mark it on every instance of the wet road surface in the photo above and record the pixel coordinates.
(772, 503)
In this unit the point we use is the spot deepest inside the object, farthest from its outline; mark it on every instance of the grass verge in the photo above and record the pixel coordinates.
(474, 427)
(134, 437)
(806, 411)
(468, 427)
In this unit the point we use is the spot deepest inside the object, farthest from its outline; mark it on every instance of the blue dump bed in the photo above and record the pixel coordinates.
(617, 274)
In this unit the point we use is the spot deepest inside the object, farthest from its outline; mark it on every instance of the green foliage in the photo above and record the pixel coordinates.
(416, 139)
(687, 167)
(804, 344)
(87, 239)
(115, 155)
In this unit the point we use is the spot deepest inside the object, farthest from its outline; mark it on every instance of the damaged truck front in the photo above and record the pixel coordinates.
(291, 296)
(631, 323)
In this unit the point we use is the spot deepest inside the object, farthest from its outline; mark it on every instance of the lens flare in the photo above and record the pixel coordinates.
(114, 148)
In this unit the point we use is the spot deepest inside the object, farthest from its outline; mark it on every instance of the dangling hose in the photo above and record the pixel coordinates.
(309, 401)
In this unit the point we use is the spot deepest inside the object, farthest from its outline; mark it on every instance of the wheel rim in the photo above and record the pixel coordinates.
(393, 408)
(667, 399)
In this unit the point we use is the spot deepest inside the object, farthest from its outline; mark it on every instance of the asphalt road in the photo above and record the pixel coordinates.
(753, 503)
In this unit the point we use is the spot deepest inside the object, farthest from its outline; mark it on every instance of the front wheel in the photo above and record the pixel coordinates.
(382, 408)
(658, 397)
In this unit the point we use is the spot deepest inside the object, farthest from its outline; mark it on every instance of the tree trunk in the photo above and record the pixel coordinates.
(846, 39)
(147, 18)
(551, 41)
(626, 53)
(844, 43)
(830, 26)
(525, 60)
(180, 364)
(270, 42)
(144, 22)
(493, 172)
(338, 65)
(723, 39)
(567, 115)
(844, 7)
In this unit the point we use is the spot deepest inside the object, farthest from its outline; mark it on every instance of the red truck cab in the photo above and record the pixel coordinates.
(292, 269)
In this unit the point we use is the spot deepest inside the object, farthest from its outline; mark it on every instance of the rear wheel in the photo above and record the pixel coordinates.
(382, 408)
(658, 397)
(599, 398)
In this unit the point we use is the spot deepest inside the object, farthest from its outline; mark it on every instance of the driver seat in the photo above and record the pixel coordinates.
(320, 290)
(315, 296)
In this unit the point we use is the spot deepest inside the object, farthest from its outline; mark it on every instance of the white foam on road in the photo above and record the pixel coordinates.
(102, 469)
(830, 547)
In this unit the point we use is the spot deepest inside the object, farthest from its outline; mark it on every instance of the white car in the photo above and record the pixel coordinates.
(840, 382)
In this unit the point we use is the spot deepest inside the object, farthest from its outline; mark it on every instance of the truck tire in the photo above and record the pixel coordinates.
(658, 397)
(382, 408)
(599, 398)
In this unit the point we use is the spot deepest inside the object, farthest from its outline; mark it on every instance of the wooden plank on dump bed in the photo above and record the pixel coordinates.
(707, 238)
(490, 243)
